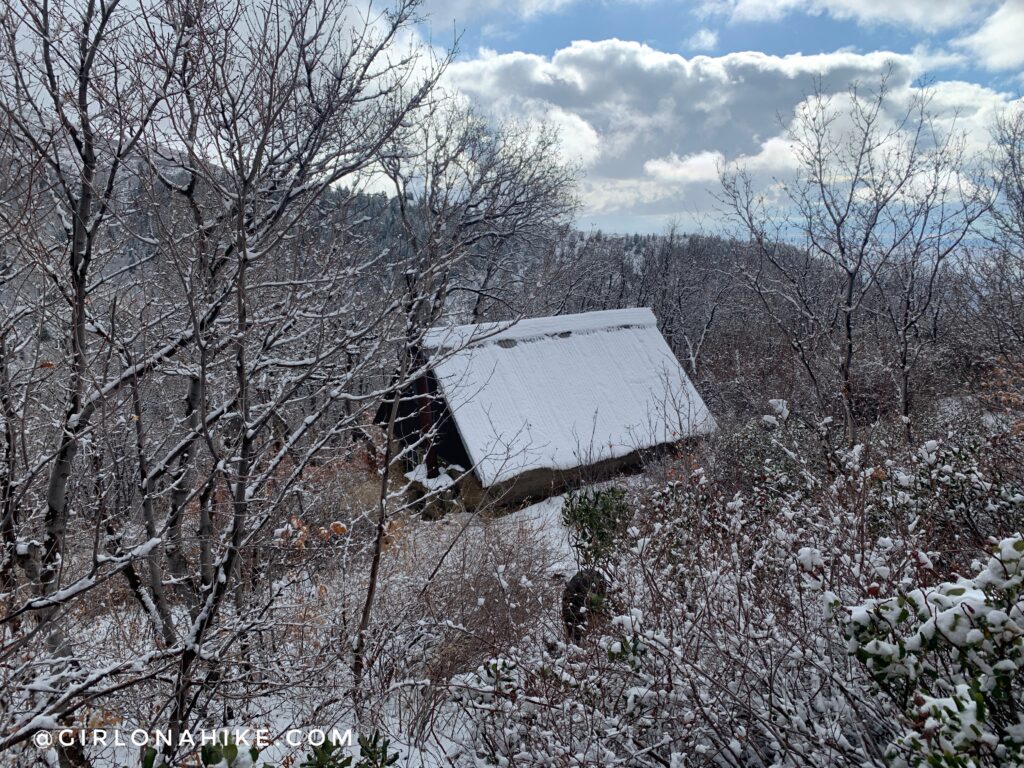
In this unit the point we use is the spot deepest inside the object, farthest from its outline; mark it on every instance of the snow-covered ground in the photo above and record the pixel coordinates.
(545, 520)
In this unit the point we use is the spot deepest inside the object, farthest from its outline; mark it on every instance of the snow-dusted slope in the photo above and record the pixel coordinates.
(561, 392)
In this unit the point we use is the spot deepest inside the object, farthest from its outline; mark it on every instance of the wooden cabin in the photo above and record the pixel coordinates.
(512, 411)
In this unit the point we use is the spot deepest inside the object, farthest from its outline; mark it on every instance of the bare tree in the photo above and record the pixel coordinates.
(185, 150)
(870, 191)
(934, 218)
(187, 271)
(994, 287)
(467, 193)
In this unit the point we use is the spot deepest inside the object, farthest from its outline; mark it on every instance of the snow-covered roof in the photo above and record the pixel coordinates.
(562, 392)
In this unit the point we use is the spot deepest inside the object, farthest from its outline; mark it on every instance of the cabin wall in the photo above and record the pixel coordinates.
(539, 484)
(421, 405)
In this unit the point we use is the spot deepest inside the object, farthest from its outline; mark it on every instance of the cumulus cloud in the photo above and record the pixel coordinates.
(997, 43)
(700, 166)
(702, 40)
(775, 156)
(651, 127)
(581, 144)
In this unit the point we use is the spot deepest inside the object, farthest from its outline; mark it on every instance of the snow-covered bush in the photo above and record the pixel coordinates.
(721, 648)
(716, 654)
(950, 656)
(374, 752)
(954, 488)
(597, 518)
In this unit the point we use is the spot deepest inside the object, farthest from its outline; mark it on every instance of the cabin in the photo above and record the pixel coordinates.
(513, 411)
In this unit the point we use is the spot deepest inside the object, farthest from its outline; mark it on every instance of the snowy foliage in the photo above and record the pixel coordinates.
(722, 646)
(950, 656)
(210, 514)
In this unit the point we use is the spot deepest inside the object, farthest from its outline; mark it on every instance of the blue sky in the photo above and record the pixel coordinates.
(652, 95)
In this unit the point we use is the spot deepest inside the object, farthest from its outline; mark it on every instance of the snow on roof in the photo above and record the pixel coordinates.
(536, 328)
(562, 392)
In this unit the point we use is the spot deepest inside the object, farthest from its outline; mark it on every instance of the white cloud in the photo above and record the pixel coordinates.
(444, 11)
(700, 166)
(928, 15)
(581, 144)
(999, 42)
(775, 156)
(702, 40)
(651, 127)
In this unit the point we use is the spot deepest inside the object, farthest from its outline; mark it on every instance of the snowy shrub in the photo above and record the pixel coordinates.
(716, 652)
(374, 752)
(780, 441)
(721, 648)
(597, 517)
(492, 583)
(955, 490)
(226, 755)
(950, 656)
